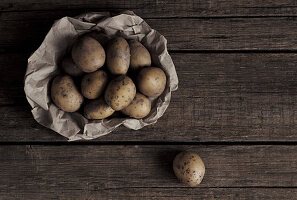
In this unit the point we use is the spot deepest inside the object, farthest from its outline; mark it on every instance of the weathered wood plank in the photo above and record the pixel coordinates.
(182, 34)
(200, 75)
(157, 194)
(221, 97)
(75, 170)
(165, 8)
(12, 71)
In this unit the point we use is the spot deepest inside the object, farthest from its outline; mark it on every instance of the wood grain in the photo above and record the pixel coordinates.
(157, 193)
(211, 34)
(81, 171)
(221, 97)
(164, 8)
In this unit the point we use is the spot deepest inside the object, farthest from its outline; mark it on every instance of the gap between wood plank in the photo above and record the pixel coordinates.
(147, 143)
(219, 187)
(117, 11)
(184, 51)
(185, 187)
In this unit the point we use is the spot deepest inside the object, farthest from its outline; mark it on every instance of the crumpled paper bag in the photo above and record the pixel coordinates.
(43, 66)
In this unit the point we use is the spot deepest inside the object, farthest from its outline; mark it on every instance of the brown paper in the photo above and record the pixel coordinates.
(43, 66)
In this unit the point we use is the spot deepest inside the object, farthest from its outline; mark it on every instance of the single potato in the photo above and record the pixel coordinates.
(70, 67)
(140, 56)
(120, 92)
(118, 56)
(97, 109)
(189, 168)
(65, 94)
(93, 84)
(88, 54)
(151, 81)
(140, 107)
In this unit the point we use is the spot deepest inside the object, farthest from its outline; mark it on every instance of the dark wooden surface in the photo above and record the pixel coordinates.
(82, 171)
(236, 107)
(221, 97)
(184, 34)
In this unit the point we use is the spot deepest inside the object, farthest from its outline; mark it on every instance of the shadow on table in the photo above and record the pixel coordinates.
(165, 158)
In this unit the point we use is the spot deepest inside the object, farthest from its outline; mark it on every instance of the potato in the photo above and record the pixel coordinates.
(97, 109)
(65, 94)
(70, 67)
(120, 92)
(93, 84)
(151, 81)
(139, 107)
(102, 38)
(189, 168)
(118, 56)
(140, 56)
(88, 54)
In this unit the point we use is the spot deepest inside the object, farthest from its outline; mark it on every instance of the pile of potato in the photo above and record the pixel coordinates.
(113, 74)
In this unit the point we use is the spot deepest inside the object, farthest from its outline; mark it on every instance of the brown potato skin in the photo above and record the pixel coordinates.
(139, 108)
(120, 92)
(88, 54)
(97, 109)
(118, 56)
(70, 67)
(93, 84)
(151, 81)
(65, 94)
(189, 168)
(140, 56)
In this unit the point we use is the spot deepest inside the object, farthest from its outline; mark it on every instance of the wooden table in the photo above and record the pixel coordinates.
(236, 106)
